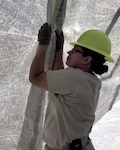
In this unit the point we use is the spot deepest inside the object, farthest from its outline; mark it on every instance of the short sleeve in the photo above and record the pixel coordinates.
(61, 81)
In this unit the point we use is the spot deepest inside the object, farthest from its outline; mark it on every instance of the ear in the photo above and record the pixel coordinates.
(87, 60)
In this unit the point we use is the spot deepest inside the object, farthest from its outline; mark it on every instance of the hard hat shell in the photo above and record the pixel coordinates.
(97, 41)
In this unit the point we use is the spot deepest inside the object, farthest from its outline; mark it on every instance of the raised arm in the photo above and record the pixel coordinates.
(58, 61)
(37, 76)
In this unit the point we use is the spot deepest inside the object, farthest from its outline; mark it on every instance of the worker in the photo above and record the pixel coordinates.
(73, 91)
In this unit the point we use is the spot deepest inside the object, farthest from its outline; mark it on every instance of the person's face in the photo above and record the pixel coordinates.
(75, 57)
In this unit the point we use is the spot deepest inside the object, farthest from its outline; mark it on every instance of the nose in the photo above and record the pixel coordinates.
(69, 52)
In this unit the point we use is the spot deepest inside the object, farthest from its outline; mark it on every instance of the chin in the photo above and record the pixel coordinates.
(68, 64)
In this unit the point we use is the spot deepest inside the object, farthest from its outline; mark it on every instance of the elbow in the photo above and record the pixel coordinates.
(30, 79)
(39, 80)
(33, 80)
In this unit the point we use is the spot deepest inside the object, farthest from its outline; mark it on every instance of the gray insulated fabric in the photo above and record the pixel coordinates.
(31, 135)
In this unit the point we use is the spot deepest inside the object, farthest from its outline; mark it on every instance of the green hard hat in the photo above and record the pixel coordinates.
(97, 41)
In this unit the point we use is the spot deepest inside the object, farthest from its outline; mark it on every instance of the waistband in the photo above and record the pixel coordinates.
(66, 147)
(85, 142)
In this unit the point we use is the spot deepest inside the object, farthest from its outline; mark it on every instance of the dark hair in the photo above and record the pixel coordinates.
(98, 60)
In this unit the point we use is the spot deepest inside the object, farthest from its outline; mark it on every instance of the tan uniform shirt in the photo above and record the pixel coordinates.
(73, 98)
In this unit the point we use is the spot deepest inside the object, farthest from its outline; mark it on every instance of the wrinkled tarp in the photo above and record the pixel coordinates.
(19, 25)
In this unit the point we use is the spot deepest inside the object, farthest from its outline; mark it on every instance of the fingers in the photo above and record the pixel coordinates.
(59, 33)
(44, 34)
(59, 40)
(46, 26)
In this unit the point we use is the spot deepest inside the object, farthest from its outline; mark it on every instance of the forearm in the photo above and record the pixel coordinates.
(58, 61)
(37, 66)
